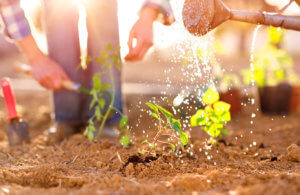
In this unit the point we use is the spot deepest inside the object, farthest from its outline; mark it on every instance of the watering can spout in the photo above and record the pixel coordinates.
(202, 16)
(264, 18)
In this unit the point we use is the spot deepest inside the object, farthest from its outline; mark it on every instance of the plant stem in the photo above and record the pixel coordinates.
(157, 137)
(112, 101)
(117, 110)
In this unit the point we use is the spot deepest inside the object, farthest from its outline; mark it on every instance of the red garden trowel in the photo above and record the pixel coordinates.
(17, 129)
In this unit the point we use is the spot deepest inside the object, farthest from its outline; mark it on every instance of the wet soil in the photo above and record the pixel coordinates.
(251, 159)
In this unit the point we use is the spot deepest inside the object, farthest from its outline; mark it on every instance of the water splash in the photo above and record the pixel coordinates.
(253, 50)
(252, 100)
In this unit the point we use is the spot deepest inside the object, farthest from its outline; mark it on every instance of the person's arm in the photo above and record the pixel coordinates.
(47, 72)
(142, 31)
(165, 15)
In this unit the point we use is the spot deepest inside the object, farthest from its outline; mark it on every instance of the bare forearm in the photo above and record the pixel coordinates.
(46, 71)
(29, 48)
(149, 13)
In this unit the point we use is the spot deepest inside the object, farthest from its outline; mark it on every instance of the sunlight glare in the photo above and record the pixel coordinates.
(82, 29)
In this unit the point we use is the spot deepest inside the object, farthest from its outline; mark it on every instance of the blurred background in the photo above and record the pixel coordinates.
(234, 39)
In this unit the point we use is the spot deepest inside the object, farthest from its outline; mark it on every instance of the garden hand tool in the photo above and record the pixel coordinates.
(202, 16)
(67, 84)
(17, 129)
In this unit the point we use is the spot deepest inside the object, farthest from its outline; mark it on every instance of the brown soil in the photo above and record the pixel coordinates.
(78, 166)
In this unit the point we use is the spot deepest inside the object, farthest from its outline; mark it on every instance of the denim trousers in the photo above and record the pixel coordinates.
(61, 26)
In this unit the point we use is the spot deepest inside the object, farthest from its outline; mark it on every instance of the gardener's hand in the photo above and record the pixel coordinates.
(46, 71)
(142, 33)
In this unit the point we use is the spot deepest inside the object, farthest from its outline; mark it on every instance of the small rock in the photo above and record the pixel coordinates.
(294, 153)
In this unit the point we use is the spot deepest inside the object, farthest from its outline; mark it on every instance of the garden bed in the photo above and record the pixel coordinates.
(244, 162)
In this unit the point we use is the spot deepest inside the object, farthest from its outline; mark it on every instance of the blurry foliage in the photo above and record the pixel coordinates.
(275, 35)
(229, 81)
(108, 58)
(271, 65)
(214, 116)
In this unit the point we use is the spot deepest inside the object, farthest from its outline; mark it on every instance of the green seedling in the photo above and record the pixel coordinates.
(167, 126)
(271, 65)
(102, 109)
(214, 116)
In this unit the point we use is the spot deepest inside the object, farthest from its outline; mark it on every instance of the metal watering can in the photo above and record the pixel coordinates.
(202, 16)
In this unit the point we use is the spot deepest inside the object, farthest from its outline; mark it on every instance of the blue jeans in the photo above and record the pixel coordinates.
(61, 23)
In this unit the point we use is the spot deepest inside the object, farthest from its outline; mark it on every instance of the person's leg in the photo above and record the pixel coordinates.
(61, 23)
(102, 25)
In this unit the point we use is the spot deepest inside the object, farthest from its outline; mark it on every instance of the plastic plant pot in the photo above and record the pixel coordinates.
(276, 100)
(234, 98)
(295, 100)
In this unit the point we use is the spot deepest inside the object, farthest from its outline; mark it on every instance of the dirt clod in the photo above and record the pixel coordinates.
(294, 153)
(129, 169)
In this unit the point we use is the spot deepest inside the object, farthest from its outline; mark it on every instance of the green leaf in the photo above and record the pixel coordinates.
(85, 132)
(125, 140)
(90, 135)
(116, 59)
(197, 118)
(93, 103)
(97, 82)
(123, 122)
(275, 35)
(143, 151)
(226, 116)
(279, 74)
(94, 93)
(183, 138)
(220, 107)
(97, 112)
(152, 106)
(259, 77)
(108, 47)
(173, 147)
(155, 116)
(118, 64)
(145, 141)
(106, 86)
(165, 112)
(102, 103)
(224, 131)
(175, 124)
(214, 131)
(194, 121)
(210, 96)
(91, 128)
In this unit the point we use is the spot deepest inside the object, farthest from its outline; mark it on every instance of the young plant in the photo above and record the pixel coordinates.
(271, 64)
(213, 117)
(167, 126)
(103, 109)
(229, 81)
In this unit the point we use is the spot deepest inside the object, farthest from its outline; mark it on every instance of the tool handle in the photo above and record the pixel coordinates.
(26, 69)
(9, 98)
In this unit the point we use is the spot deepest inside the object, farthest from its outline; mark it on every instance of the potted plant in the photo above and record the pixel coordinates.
(229, 88)
(295, 100)
(270, 69)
